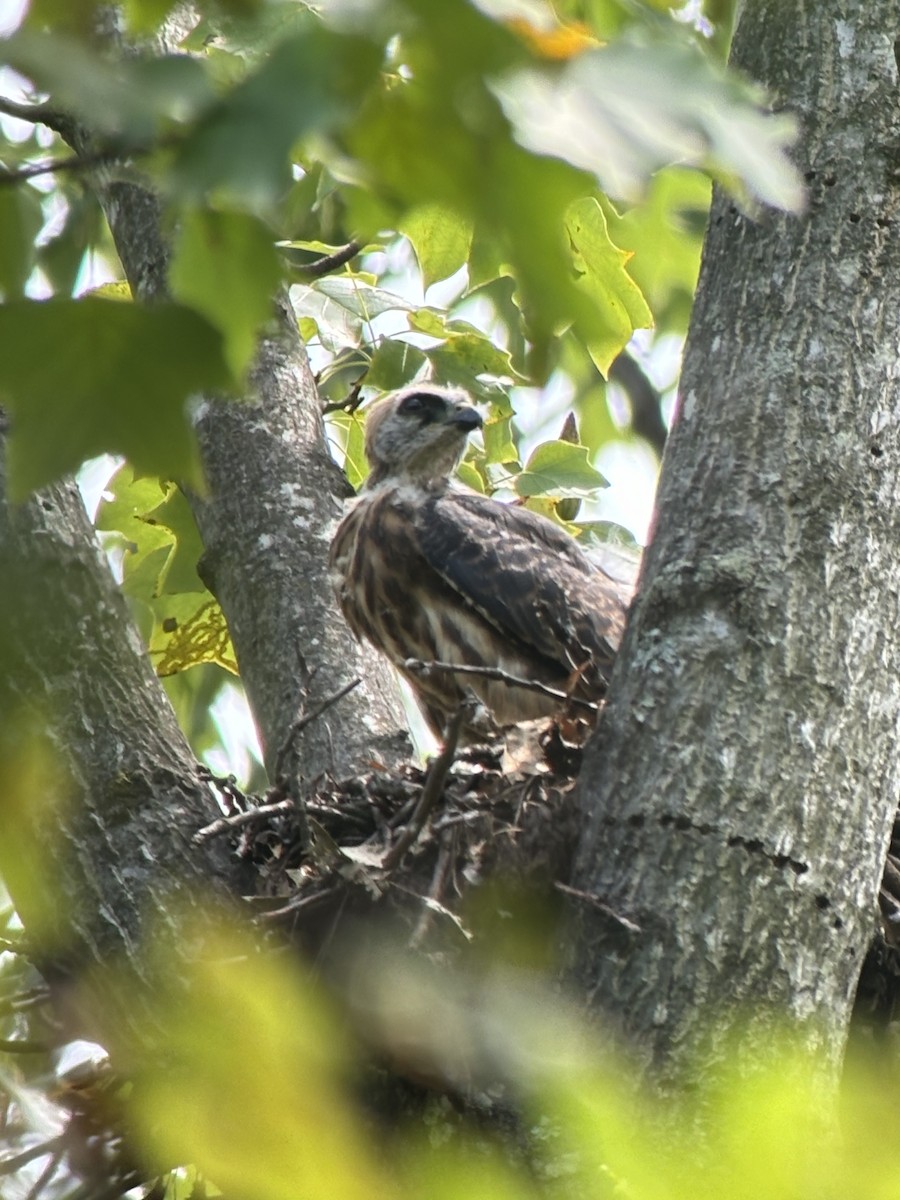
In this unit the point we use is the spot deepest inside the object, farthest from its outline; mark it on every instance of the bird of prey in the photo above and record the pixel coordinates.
(428, 570)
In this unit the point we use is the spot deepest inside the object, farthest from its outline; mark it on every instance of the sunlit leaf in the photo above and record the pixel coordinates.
(225, 266)
(664, 232)
(118, 380)
(440, 239)
(556, 467)
(620, 307)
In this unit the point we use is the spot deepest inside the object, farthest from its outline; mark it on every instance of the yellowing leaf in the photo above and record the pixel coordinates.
(558, 42)
(192, 631)
(116, 289)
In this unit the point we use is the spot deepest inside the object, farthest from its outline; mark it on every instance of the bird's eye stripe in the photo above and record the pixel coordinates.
(424, 404)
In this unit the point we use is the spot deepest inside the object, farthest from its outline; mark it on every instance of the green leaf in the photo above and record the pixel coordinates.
(21, 218)
(174, 515)
(665, 233)
(440, 239)
(310, 83)
(350, 427)
(464, 359)
(558, 467)
(131, 97)
(636, 105)
(394, 364)
(341, 305)
(619, 306)
(225, 266)
(81, 377)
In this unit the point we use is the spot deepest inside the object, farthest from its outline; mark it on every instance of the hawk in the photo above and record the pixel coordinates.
(428, 570)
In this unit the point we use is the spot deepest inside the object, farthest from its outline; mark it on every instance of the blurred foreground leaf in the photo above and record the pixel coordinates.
(627, 109)
(83, 377)
(225, 266)
(247, 1082)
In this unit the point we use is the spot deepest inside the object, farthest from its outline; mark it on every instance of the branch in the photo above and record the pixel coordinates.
(416, 665)
(329, 262)
(36, 114)
(596, 902)
(54, 166)
(242, 818)
(8, 1166)
(644, 400)
(21, 1046)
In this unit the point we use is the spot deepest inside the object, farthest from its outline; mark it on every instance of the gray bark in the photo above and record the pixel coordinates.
(274, 499)
(104, 841)
(742, 786)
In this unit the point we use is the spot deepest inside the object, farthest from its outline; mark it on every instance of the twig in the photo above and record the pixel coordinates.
(431, 791)
(8, 1166)
(351, 401)
(299, 903)
(47, 1174)
(417, 665)
(596, 902)
(22, 1001)
(22, 1046)
(53, 166)
(307, 719)
(435, 891)
(36, 114)
(242, 818)
(330, 262)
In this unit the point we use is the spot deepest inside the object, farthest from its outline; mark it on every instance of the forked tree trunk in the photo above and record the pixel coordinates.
(743, 782)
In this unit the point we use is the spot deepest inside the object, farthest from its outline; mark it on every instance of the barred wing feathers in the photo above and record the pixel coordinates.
(528, 579)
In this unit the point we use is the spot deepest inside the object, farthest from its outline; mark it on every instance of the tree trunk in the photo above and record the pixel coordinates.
(275, 496)
(742, 786)
(99, 791)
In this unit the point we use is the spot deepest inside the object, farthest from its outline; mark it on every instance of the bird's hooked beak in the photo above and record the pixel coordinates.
(466, 418)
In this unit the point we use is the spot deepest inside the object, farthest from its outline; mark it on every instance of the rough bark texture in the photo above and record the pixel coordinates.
(105, 841)
(274, 500)
(743, 783)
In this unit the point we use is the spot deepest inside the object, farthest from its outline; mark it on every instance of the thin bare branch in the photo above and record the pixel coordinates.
(36, 114)
(330, 262)
(307, 718)
(417, 665)
(597, 903)
(431, 792)
(22, 1046)
(8, 1166)
(242, 818)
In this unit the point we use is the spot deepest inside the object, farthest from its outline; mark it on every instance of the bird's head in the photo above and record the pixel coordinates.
(419, 433)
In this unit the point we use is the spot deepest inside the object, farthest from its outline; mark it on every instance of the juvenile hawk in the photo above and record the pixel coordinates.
(428, 570)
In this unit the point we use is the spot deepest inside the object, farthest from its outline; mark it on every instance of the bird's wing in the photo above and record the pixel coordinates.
(525, 576)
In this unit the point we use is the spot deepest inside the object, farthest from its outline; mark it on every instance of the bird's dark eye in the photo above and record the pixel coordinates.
(426, 406)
